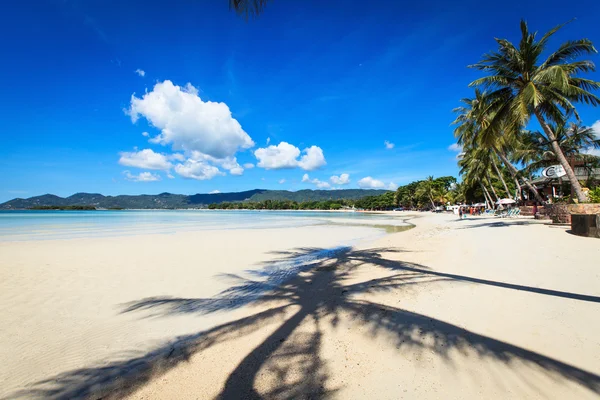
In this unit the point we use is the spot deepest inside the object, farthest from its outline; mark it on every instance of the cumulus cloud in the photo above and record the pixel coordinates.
(392, 186)
(145, 159)
(188, 123)
(370, 183)
(140, 72)
(145, 134)
(141, 177)
(312, 159)
(318, 183)
(389, 145)
(228, 163)
(343, 179)
(214, 192)
(248, 165)
(281, 181)
(177, 157)
(285, 155)
(596, 129)
(199, 170)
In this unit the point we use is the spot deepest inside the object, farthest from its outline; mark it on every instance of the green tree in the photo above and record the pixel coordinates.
(522, 85)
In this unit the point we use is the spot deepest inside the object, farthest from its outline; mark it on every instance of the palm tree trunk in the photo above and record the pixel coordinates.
(518, 185)
(561, 157)
(501, 177)
(515, 173)
(486, 195)
(492, 186)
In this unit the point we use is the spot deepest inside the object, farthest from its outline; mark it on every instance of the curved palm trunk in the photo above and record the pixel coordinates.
(486, 195)
(492, 186)
(515, 173)
(576, 187)
(501, 178)
(518, 188)
(432, 202)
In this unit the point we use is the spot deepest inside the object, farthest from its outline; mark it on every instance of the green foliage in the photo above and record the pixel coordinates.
(282, 205)
(428, 193)
(594, 195)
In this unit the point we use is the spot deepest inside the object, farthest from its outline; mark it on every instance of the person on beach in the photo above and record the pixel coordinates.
(460, 213)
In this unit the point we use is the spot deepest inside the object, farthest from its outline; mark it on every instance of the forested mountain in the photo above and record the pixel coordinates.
(169, 200)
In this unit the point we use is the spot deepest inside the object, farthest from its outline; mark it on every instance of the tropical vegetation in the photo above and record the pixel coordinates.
(520, 84)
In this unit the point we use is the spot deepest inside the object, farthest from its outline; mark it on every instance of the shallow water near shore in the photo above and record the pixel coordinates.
(43, 225)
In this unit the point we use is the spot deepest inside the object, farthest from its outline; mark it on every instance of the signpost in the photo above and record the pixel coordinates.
(554, 171)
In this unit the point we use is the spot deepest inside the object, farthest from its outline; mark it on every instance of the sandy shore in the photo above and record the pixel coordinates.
(482, 308)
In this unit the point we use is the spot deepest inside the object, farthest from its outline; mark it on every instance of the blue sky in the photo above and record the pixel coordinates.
(326, 84)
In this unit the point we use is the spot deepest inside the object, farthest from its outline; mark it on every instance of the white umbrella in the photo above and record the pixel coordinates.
(505, 201)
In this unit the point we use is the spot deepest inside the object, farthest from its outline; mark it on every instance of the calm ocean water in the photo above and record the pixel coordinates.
(39, 225)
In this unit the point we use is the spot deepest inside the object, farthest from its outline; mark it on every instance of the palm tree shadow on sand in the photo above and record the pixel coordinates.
(300, 291)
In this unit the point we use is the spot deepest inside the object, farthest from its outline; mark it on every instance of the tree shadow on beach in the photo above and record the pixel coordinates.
(298, 293)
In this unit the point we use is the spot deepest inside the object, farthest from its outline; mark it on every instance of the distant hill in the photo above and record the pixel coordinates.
(169, 200)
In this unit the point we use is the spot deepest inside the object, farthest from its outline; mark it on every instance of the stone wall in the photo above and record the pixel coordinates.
(561, 213)
(542, 212)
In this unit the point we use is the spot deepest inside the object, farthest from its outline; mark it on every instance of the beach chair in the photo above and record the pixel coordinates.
(516, 213)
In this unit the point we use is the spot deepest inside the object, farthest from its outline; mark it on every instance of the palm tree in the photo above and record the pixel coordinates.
(474, 131)
(428, 189)
(521, 85)
(473, 170)
(572, 139)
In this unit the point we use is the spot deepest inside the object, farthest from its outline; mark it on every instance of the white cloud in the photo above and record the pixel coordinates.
(188, 123)
(455, 147)
(281, 181)
(392, 186)
(214, 192)
(145, 134)
(318, 183)
(141, 177)
(388, 145)
(170, 176)
(312, 159)
(199, 170)
(285, 155)
(146, 159)
(248, 165)
(268, 140)
(228, 163)
(343, 179)
(140, 72)
(177, 157)
(596, 128)
(370, 183)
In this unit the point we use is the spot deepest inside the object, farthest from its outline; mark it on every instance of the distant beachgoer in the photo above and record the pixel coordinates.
(460, 213)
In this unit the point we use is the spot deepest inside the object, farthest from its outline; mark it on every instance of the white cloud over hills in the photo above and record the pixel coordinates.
(145, 159)
(141, 177)
(318, 183)
(285, 155)
(371, 183)
(343, 179)
(203, 136)
(188, 123)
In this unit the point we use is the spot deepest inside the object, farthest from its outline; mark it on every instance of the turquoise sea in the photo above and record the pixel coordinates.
(40, 225)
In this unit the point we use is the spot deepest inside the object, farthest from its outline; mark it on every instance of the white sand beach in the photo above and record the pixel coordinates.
(453, 309)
